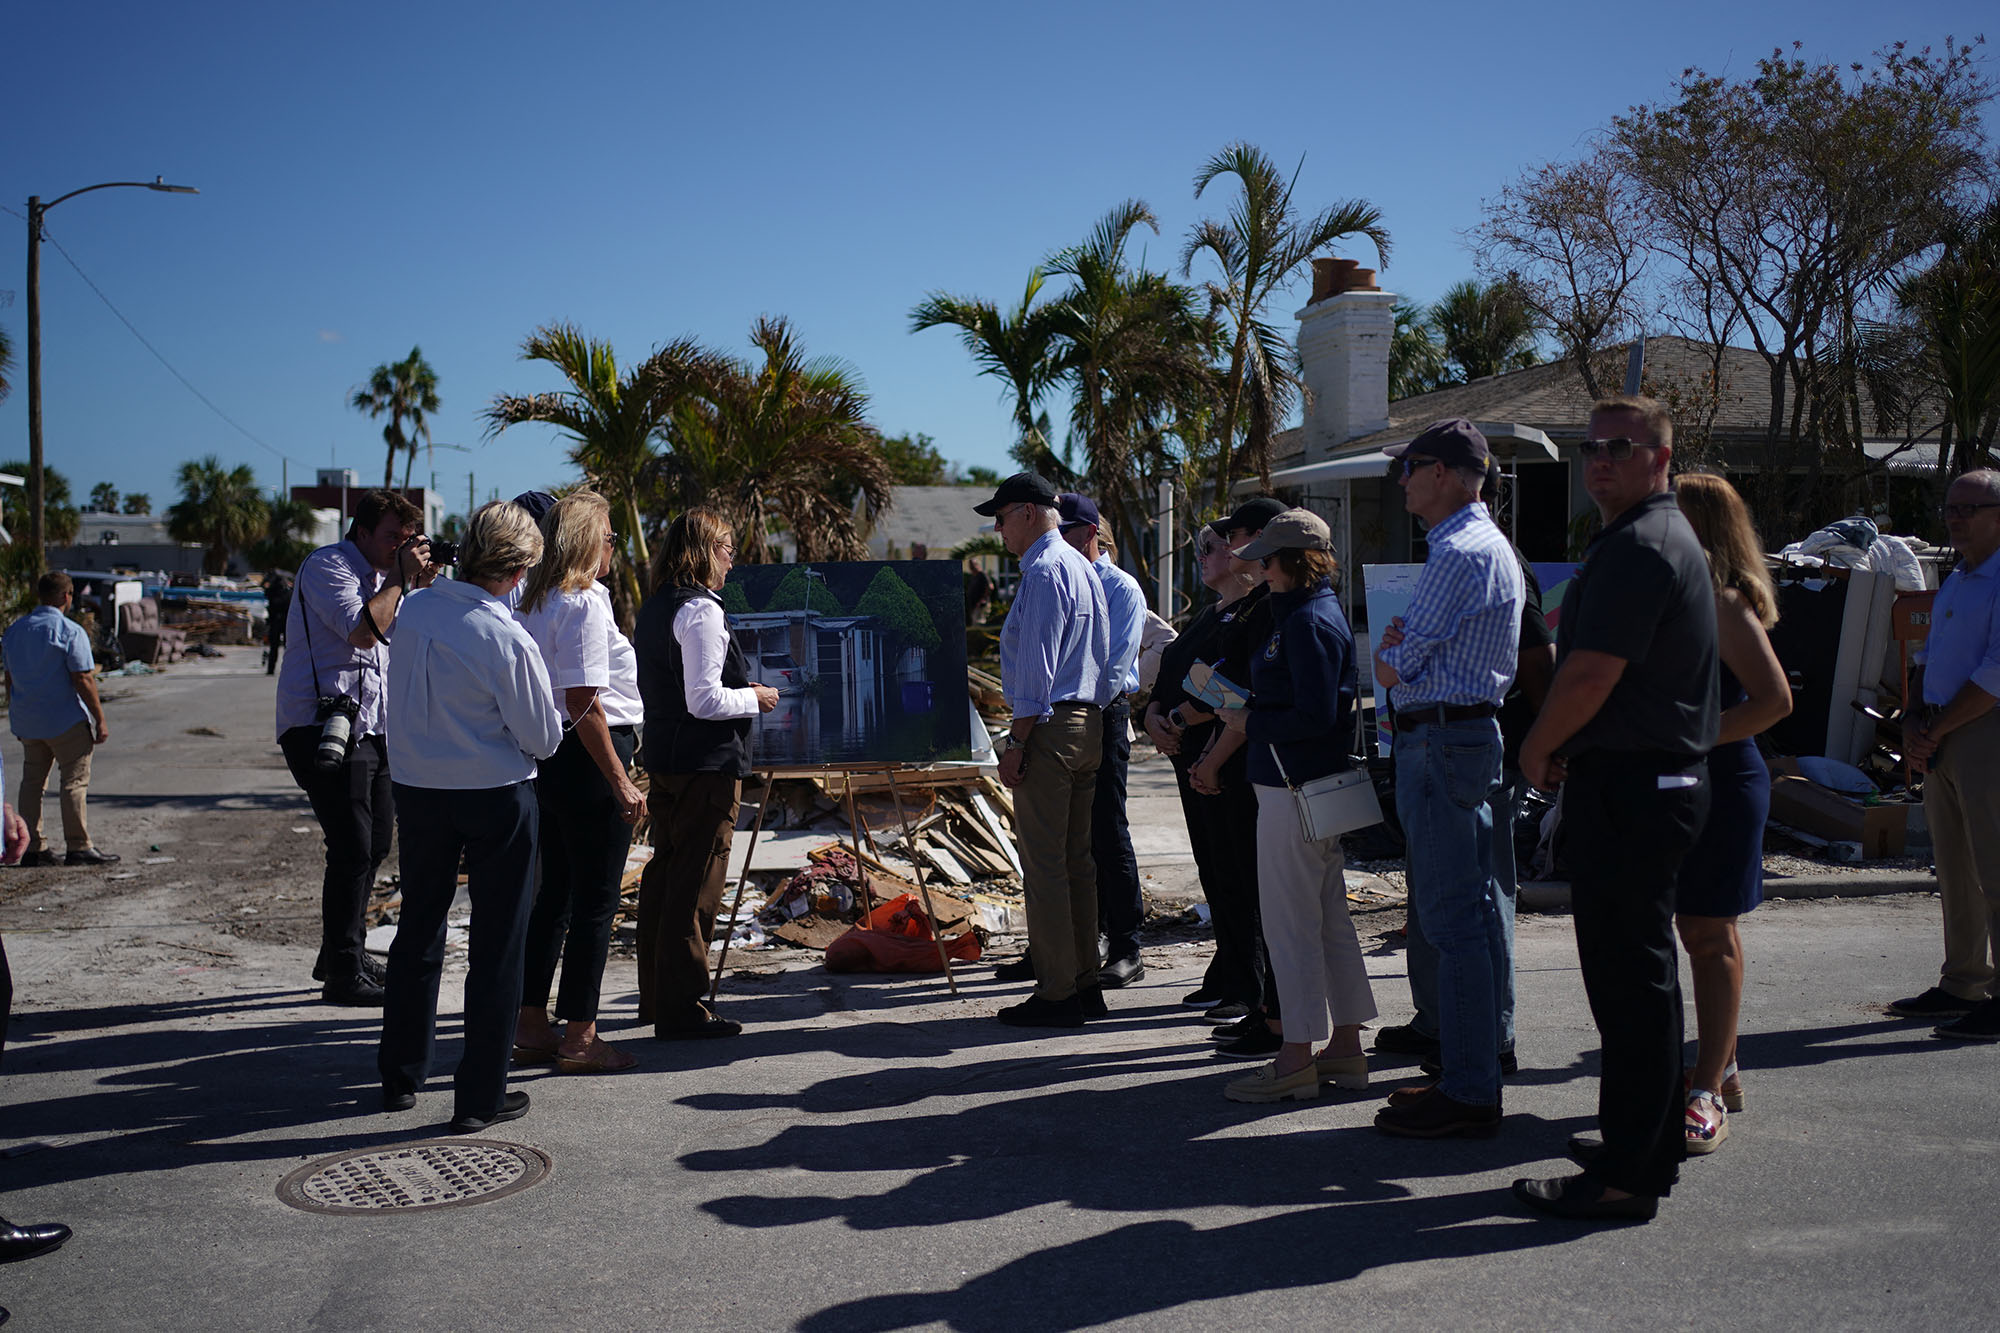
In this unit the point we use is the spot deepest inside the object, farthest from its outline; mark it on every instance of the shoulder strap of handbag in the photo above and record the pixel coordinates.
(1283, 776)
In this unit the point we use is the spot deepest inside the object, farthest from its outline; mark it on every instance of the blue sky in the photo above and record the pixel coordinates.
(451, 175)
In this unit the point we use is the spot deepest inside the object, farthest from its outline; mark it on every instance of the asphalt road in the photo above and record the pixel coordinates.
(876, 1154)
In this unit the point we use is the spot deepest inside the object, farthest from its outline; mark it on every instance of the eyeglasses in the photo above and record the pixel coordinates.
(1000, 515)
(1207, 549)
(1411, 463)
(726, 544)
(1617, 450)
(1965, 511)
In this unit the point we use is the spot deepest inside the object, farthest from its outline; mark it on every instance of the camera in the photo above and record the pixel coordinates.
(336, 730)
(442, 552)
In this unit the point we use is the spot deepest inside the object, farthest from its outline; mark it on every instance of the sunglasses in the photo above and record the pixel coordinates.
(1965, 510)
(1411, 463)
(1617, 450)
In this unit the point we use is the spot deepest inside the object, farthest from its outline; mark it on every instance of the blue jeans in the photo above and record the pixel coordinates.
(1445, 774)
(1421, 955)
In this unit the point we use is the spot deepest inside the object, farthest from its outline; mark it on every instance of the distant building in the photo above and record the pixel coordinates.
(337, 489)
(926, 522)
(126, 542)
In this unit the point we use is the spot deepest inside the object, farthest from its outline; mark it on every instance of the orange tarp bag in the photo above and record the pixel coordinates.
(897, 939)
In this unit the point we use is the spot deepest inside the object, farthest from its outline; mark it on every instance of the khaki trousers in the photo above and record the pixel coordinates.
(694, 821)
(1315, 953)
(1962, 806)
(1052, 820)
(71, 750)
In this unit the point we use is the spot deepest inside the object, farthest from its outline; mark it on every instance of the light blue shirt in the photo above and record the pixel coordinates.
(43, 650)
(470, 705)
(1964, 642)
(334, 583)
(1125, 604)
(1462, 633)
(1056, 644)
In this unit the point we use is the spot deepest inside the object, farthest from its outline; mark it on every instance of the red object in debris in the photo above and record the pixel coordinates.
(897, 938)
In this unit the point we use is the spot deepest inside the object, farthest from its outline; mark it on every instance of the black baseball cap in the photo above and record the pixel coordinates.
(1251, 516)
(1077, 510)
(1023, 488)
(1455, 442)
(537, 503)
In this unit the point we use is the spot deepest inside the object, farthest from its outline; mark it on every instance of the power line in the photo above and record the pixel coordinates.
(185, 382)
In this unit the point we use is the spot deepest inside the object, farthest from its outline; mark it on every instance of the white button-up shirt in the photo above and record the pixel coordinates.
(582, 646)
(470, 706)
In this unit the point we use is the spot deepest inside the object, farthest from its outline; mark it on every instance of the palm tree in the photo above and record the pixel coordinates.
(6, 364)
(286, 541)
(405, 390)
(1260, 249)
(219, 507)
(1416, 358)
(1955, 305)
(611, 420)
(1017, 346)
(1485, 330)
(60, 519)
(784, 440)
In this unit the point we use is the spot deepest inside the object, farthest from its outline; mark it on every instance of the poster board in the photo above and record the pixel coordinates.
(1388, 588)
(868, 658)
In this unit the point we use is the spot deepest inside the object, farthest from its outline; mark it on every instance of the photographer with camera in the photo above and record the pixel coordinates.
(332, 691)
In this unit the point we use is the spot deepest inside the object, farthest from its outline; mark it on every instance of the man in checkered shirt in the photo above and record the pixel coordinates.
(1448, 663)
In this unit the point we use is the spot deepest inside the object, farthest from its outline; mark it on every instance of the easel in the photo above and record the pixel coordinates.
(856, 834)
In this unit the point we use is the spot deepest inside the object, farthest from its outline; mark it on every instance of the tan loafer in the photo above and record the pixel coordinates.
(1268, 1085)
(1343, 1071)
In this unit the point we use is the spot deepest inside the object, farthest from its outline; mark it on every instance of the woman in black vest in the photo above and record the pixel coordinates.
(698, 700)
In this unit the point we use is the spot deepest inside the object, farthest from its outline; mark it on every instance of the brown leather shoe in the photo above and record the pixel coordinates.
(1436, 1116)
(1410, 1095)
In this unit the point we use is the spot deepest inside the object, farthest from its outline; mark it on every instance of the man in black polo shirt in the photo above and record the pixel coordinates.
(1629, 720)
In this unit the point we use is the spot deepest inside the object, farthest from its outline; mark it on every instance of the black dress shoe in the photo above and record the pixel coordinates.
(512, 1107)
(1091, 1000)
(18, 1243)
(358, 992)
(1035, 1012)
(1585, 1150)
(1229, 1011)
(398, 1101)
(90, 856)
(1241, 1028)
(706, 1029)
(1120, 972)
(1509, 1066)
(1582, 1198)
(1255, 1044)
(1436, 1116)
(1404, 1039)
(44, 857)
(371, 967)
(1021, 969)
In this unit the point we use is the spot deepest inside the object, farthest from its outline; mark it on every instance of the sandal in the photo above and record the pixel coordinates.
(1707, 1122)
(601, 1058)
(1732, 1098)
(534, 1055)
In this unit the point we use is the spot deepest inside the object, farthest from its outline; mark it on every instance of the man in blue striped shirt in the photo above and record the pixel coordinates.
(1121, 904)
(1447, 664)
(1055, 653)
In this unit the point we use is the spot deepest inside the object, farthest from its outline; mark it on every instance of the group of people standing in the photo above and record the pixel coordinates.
(493, 716)
(1640, 709)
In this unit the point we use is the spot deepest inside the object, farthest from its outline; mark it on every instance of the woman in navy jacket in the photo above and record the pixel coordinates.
(1299, 725)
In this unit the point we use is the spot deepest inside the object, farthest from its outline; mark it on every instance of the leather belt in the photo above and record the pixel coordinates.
(1438, 714)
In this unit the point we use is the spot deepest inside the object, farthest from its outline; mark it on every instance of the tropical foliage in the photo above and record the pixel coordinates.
(287, 535)
(1017, 346)
(780, 440)
(104, 498)
(403, 391)
(1259, 250)
(220, 507)
(60, 518)
(137, 502)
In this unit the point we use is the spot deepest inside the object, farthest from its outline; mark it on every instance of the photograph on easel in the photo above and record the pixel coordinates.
(867, 657)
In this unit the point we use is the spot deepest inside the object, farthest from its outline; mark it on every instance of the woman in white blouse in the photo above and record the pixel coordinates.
(470, 711)
(589, 803)
(699, 700)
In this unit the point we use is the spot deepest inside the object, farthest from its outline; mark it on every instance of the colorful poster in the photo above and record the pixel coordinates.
(867, 657)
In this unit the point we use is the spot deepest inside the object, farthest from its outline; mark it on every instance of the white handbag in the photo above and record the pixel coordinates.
(1335, 804)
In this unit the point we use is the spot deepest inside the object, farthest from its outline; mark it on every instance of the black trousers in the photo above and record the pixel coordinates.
(1121, 907)
(1627, 836)
(584, 842)
(356, 813)
(1223, 832)
(493, 830)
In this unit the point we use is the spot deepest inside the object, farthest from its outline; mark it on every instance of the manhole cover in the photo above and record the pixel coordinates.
(413, 1178)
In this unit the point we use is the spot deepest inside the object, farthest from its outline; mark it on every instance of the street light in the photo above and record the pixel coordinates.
(36, 535)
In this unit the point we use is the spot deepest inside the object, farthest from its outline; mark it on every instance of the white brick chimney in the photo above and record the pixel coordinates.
(1344, 338)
